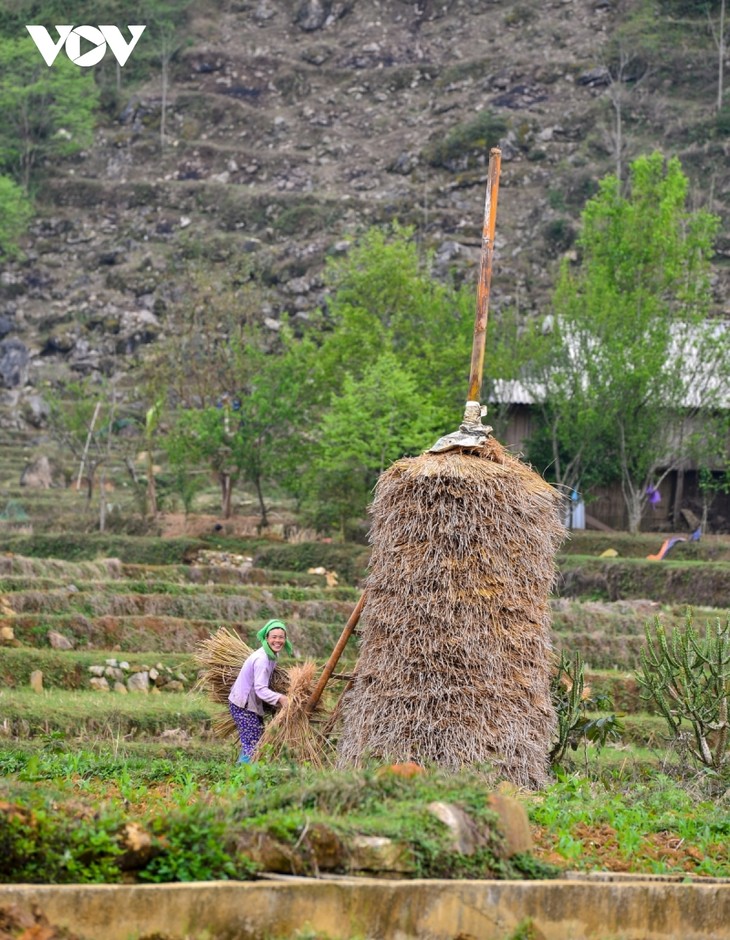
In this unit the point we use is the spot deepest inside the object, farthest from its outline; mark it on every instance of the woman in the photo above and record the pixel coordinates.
(251, 689)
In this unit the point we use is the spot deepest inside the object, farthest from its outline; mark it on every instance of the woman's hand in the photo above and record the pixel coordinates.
(283, 702)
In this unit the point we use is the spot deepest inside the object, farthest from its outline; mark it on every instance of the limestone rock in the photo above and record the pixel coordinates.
(37, 474)
(513, 825)
(376, 853)
(58, 641)
(466, 837)
(35, 411)
(312, 14)
(36, 680)
(139, 682)
(267, 853)
(14, 362)
(99, 684)
(7, 635)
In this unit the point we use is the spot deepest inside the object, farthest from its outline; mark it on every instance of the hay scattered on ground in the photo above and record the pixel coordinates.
(455, 657)
(291, 732)
(219, 659)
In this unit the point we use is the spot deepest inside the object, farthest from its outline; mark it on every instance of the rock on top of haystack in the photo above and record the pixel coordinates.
(455, 657)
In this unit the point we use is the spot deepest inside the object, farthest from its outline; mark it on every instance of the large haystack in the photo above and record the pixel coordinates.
(455, 637)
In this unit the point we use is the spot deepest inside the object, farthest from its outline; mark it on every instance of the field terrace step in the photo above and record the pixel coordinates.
(89, 715)
(217, 574)
(112, 569)
(610, 634)
(151, 633)
(54, 568)
(74, 669)
(203, 606)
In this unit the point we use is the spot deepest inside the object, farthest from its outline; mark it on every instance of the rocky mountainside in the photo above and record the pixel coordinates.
(291, 126)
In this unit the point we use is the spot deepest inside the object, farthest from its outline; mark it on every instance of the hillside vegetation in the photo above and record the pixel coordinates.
(289, 128)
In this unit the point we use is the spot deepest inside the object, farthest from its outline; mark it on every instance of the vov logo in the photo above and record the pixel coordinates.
(99, 36)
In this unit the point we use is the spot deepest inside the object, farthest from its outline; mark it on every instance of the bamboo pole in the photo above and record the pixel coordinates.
(485, 276)
(86, 446)
(335, 655)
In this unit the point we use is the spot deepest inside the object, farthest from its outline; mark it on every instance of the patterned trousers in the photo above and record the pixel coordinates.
(250, 728)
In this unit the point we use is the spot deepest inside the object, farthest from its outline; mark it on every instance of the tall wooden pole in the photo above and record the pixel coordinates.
(485, 276)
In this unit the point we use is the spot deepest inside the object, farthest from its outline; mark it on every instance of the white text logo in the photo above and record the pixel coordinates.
(98, 36)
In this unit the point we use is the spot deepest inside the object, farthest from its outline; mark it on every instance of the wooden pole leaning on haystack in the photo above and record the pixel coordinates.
(455, 650)
(334, 658)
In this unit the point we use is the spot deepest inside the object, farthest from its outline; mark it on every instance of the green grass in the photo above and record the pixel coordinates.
(104, 715)
(642, 823)
(198, 814)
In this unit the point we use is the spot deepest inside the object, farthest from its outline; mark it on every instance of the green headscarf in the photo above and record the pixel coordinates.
(266, 630)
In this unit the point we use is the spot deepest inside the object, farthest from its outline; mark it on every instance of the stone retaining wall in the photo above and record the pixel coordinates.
(371, 909)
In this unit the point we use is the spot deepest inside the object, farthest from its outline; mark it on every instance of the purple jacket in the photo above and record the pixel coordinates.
(251, 688)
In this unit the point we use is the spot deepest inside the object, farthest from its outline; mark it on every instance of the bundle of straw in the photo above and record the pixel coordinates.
(291, 733)
(219, 659)
(455, 661)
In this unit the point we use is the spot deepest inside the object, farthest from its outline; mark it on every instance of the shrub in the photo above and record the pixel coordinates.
(468, 144)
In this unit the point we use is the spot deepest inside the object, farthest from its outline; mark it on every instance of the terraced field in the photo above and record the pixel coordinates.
(97, 681)
(66, 618)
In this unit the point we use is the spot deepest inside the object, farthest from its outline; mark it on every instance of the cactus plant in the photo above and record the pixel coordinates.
(687, 676)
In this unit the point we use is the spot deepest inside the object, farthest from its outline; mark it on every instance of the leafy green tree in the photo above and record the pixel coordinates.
(233, 395)
(633, 360)
(47, 112)
(15, 213)
(383, 297)
(373, 421)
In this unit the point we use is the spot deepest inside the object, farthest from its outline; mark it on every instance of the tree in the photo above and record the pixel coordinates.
(383, 297)
(233, 394)
(47, 112)
(634, 358)
(373, 421)
(83, 418)
(15, 213)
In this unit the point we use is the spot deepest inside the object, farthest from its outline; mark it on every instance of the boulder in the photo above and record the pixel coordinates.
(36, 680)
(139, 682)
(376, 853)
(14, 360)
(58, 641)
(35, 411)
(513, 825)
(466, 837)
(37, 474)
(99, 684)
(312, 14)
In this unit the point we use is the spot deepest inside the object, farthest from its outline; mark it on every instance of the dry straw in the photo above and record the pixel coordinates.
(291, 732)
(219, 659)
(455, 657)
